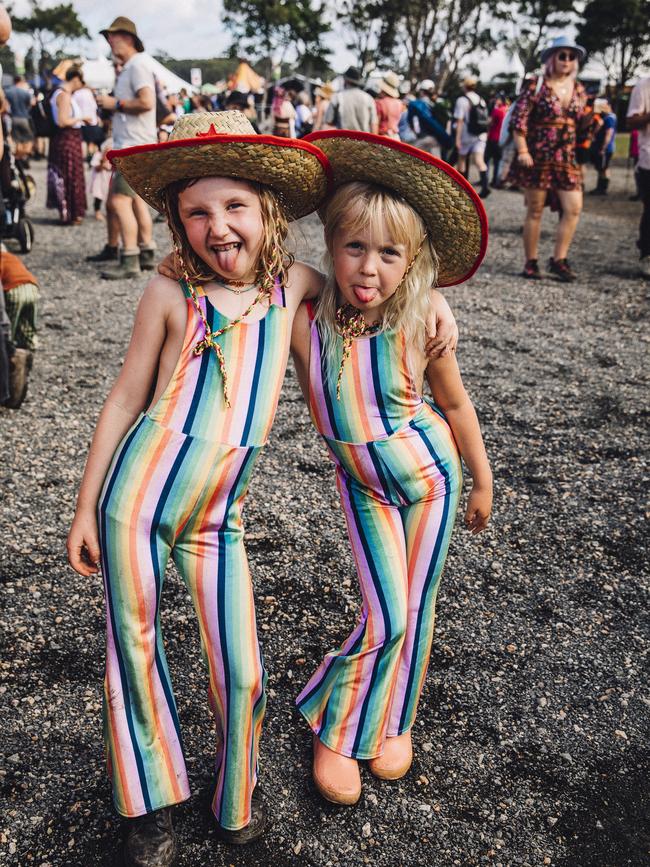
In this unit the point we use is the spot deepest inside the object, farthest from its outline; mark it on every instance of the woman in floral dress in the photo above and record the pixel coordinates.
(544, 124)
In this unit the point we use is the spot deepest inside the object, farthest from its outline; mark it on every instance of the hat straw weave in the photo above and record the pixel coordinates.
(224, 144)
(451, 209)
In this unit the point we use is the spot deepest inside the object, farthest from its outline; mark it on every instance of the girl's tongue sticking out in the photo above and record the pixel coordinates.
(365, 294)
(226, 256)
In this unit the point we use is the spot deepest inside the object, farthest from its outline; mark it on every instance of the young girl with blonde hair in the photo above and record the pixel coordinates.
(399, 222)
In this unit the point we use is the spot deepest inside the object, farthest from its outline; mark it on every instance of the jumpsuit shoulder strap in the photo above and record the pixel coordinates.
(279, 295)
(183, 284)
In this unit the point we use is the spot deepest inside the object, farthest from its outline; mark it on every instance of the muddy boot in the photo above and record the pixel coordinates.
(108, 254)
(129, 267)
(20, 364)
(256, 827)
(147, 258)
(149, 840)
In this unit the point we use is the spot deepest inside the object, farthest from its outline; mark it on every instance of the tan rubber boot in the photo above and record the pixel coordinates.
(396, 759)
(337, 777)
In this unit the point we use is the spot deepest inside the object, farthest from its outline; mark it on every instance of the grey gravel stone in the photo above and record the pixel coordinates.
(536, 702)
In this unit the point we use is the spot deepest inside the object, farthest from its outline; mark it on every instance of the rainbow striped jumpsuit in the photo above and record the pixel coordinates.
(176, 487)
(399, 477)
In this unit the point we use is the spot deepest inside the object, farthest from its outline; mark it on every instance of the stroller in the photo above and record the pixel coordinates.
(17, 189)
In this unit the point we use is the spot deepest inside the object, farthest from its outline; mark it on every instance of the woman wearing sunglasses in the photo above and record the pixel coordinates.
(544, 123)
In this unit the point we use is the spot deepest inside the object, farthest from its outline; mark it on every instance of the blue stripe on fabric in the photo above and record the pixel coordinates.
(200, 381)
(221, 619)
(321, 680)
(431, 571)
(378, 465)
(376, 380)
(325, 379)
(153, 548)
(367, 548)
(111, 609)
(252, 397)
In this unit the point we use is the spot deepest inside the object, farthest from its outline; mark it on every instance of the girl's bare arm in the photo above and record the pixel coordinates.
(125, 401)
(449, 394)
(442, 329)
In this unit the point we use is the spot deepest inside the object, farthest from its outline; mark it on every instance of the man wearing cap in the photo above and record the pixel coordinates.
(352, 107)
(134, 123)
(431, 133)
(469, 140)
(638, 117)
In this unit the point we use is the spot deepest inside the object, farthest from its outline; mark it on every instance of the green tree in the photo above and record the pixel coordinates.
(51, 29)
(370, 27)
(268, 28)
(618, 34)
(531, 23)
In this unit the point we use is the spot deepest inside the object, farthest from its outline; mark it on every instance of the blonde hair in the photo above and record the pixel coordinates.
(358, 206)
(274, 259)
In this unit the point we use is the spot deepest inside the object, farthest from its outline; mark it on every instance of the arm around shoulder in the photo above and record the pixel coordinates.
(304, 283)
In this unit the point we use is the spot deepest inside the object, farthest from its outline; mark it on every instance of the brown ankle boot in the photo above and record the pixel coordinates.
(336, 777)
(396, 759)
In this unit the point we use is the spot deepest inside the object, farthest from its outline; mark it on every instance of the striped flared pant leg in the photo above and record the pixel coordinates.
(194, 489)
(369, 688)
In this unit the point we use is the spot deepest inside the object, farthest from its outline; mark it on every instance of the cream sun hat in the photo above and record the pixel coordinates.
(448, 204)
(224, 143)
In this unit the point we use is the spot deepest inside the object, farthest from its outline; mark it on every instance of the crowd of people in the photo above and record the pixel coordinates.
(178, 437)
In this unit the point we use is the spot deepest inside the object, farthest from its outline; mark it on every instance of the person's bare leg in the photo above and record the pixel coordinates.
(461, 165)
(571, 202)
(533, 221)
(112, 226)
(143, 219)
(122, 207)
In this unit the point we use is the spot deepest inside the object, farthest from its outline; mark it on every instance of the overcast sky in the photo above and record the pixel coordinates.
(182, 28)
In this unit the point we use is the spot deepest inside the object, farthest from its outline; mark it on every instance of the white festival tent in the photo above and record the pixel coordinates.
(99, 75)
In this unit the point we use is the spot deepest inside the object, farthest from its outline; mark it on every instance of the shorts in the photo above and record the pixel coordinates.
(93, 134)
(21, 130)
(120, 186)
(475, 146)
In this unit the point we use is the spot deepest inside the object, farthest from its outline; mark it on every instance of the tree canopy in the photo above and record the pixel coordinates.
(619, 34)
(50, 28)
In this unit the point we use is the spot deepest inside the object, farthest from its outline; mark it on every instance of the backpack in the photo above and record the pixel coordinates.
(478, 120)
(505, 135)
(42, 117)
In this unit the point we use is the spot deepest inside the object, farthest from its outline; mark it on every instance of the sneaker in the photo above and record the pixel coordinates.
(149, 840)
(644, 266)
(108, 254)
(561, 269)
(531, 270)
(255, 828)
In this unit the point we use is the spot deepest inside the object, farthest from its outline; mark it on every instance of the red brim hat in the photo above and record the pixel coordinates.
(448, 204)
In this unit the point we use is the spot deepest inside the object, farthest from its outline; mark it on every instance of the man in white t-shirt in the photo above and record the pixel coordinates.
(638, 117)
(134, 123)
(471, 116)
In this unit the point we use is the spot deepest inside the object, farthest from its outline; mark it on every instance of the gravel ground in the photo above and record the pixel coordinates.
(531, 741)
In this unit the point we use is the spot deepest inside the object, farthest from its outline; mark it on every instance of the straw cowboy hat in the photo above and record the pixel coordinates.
(450, 207)
(224, 143)
(124, 25)
(563, 42)
(390, 85)
(325, 90)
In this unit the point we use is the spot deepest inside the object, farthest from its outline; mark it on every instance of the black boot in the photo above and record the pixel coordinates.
(255, 828)
(108, 254)
(599, 189)
(149, 840)
(147, 262)
(485, 185)
(605, 186)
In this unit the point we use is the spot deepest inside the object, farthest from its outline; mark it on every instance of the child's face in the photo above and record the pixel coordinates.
(368, 267)
(222, 218)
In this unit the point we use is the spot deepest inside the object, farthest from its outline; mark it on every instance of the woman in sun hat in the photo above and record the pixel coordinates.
(400, 221)
(172, 456)
(389, 106)
(544, 124)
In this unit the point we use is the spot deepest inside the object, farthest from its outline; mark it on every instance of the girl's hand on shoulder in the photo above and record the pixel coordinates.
(83, 544)
(479, 508)
(442, 329)
(169, 267)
